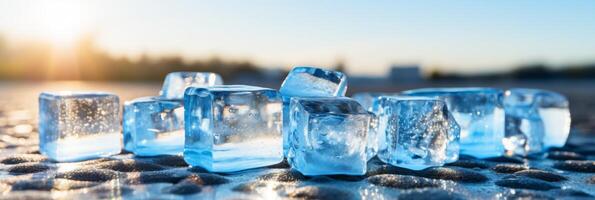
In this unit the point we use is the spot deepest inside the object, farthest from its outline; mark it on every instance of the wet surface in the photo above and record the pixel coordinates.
(562, 173)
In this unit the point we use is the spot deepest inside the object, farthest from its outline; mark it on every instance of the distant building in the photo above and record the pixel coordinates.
(405, 74)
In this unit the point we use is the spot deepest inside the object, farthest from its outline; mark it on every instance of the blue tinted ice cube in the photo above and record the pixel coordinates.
(176, 82)
(535, 119)
(479, 113)
(154, 126)
(328, 135)
(232, 127)
(370, 102)
(309, 82)
(368, 99)
(417, 132)
(555, 114)
(76, 126)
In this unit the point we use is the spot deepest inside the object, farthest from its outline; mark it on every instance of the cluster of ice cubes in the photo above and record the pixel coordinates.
(155, 125)
(308, 121)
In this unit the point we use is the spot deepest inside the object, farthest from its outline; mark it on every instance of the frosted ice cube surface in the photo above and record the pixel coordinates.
(328, 136)
(232, 127)
(154, 126)
(417, 132)
(77, 126)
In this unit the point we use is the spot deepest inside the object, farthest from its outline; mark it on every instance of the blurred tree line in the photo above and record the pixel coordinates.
(527, 72)
(37, 61)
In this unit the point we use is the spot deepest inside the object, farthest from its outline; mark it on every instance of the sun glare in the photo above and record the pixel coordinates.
(61, 21)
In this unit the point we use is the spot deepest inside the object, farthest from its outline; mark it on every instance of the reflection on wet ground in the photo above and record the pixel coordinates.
(566, 172)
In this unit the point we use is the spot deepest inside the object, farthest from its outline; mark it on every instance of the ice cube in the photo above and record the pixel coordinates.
(309, 82)
(418, 132)
(76, 126)
(370, 101)
(232, 127)
(479, 113)
(176, 82)
(367, 99)
(535, 120)
(154, 126)
(328, 135)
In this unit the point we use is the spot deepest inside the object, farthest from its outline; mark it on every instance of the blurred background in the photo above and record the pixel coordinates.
(127, 47)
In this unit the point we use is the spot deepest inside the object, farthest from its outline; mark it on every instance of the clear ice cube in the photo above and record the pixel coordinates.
(154, 126)
(535, 120)
(176, 82)
(328, 136)
(479, 113)
(76, 126)
(368, 99)
(309, 82)
(417, 132)
(232, 127)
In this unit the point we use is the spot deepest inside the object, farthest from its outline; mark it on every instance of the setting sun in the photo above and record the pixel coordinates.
(61, 21)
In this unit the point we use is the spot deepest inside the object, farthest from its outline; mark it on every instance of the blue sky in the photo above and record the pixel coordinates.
(460, 36)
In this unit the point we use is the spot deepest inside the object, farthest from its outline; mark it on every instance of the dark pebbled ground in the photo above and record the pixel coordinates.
(563, 173)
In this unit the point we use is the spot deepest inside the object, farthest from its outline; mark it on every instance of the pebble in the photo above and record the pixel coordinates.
(520, 182)
(403, 181)
(540, 174)
(128, 165)
(586, 166)
(184, 188)
(570, 193)
(320, 192)
(591, 180)
(431, 194)
(282, 165)
(565, 155)
(27, 168)
(193, 184)
(157, 177)
(51, 184)
(454, 173)
(23, 158)
(506, 159)
(286, 175)
(349, 178)
(479, 164)
(89, 174)
(170, 161)
(197, 170)
(457, 174)
(509, 168)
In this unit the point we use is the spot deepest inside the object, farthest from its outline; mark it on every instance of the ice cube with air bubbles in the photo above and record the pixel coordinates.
(309, 82)
(369, 100)
(232, 127)
(154, 126)
(479, 113)
(328, 135)
(535, 120)
(176, 82)
(417, 132)
(76, 126)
